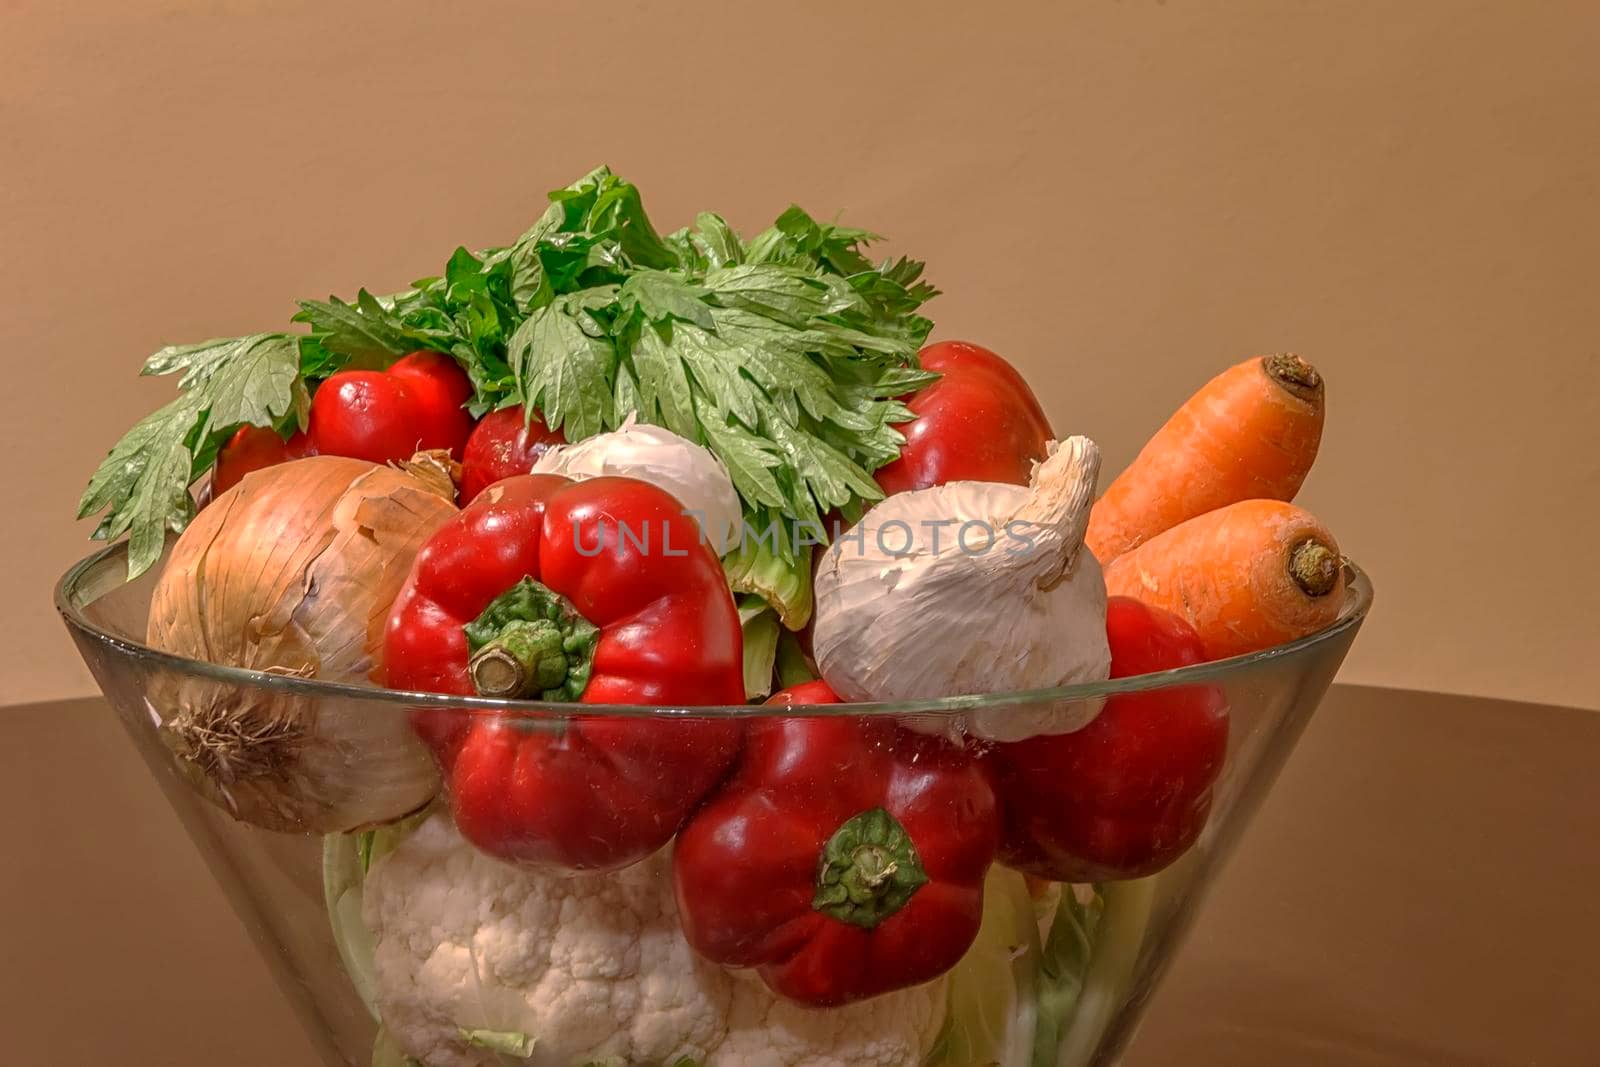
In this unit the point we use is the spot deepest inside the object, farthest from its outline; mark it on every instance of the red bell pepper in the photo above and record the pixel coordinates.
(503, 444)
(1129, 793)
(382, 416)
(978, 422)
(845, 857)
(598, 592)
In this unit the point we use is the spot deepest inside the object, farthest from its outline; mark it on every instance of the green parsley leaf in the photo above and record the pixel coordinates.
(666, 397)
(661, 295)
(364, 334)
(715, 240)
(799, 240)
(563, 362)
(787, 295)
(143, 483)
(618, 212)
(750, 460)
(601, 211)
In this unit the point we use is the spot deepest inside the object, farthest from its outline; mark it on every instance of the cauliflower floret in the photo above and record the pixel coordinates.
(594, 969)
(895, 1030)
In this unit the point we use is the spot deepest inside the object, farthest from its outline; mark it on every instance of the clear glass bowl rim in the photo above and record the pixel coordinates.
(1358, 600)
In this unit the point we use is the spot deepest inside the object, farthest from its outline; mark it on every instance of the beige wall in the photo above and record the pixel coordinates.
(1120, 196)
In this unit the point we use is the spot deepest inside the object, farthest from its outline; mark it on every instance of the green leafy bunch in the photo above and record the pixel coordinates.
(783, 355)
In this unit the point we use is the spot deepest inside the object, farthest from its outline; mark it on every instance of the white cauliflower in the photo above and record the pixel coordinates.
(594, 969)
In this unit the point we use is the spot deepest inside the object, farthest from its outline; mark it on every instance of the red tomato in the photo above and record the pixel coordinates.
(251, 449)
(381, 416)
(384, 416)
(503, 444)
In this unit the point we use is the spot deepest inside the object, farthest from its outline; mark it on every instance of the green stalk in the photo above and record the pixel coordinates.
(1118, 938)
(760, 625)
(792, 666)
(343, 873)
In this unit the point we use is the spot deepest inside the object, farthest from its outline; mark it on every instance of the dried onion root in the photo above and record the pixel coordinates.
(292, 572)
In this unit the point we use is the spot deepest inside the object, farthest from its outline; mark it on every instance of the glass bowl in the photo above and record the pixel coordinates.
(1059, 973)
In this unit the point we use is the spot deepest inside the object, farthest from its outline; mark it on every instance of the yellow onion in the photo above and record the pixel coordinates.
(292, 571)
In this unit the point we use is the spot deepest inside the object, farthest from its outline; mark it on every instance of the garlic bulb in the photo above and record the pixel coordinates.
(292, 571)
(651, 454)
(971, 587)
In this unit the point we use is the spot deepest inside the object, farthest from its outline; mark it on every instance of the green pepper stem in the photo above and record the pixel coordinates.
(530, 642)
(526, 658)
(869, 869)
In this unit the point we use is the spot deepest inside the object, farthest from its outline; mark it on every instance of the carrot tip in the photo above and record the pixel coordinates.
(1294, 374)
(1314, 567)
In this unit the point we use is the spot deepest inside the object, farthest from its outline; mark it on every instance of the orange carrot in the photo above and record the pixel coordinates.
(1249, 433)
(1246, 577)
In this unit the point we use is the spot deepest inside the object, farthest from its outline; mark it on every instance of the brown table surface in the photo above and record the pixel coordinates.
(1421, 887)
